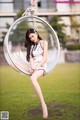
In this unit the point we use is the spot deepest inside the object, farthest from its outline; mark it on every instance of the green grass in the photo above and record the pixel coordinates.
(61, 90)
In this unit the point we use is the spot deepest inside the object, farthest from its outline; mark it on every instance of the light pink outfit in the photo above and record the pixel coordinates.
(37, 52)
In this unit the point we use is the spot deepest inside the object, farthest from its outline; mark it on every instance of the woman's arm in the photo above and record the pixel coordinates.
(31, 60)
(31, 63)
(45, 47)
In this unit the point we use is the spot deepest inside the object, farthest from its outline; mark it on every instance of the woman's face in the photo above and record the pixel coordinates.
(33, 37)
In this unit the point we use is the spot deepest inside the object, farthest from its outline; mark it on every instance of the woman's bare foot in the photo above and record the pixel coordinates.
(45, 111)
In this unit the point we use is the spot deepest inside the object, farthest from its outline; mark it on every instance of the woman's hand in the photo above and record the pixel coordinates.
(34, 67)
(31, 71)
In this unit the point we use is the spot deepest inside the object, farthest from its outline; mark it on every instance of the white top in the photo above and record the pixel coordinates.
(37, 52)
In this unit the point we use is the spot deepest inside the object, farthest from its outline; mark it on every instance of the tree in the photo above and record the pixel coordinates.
(17, 35)
(4, 33)
(59, 28)
(75, 29)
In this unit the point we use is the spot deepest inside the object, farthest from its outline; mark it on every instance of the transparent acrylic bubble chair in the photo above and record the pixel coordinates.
(14, 49)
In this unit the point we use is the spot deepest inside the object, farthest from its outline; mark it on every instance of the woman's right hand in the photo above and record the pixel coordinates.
(31, 71)
(34, 68)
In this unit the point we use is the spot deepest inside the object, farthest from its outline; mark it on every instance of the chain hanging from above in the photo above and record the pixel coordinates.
(30, 10)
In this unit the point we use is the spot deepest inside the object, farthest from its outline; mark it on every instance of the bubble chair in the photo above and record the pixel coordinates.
(14, 49)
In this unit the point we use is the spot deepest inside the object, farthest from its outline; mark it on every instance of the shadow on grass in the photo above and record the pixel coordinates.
(56, 112)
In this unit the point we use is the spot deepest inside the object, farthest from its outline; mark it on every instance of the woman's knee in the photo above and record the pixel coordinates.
(36, 75)
(32, 78)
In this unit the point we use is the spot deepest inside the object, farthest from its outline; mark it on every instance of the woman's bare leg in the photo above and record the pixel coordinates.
(37, 88)
(24, 68)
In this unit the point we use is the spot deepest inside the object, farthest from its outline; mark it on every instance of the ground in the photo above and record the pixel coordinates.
(60, 87)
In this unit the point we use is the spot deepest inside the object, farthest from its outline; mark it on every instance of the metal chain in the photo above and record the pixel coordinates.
(31, 9)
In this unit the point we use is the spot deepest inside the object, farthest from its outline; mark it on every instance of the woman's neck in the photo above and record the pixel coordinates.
(37, 42)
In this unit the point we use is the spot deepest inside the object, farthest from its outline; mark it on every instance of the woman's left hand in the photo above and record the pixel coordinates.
(34, 67)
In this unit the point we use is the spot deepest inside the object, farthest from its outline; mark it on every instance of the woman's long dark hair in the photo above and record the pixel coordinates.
(29, 43)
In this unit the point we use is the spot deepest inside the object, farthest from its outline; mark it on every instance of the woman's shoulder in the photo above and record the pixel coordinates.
(43, 42)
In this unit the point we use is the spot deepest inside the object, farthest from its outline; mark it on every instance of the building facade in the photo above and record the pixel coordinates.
(9, 8)
(6, 6)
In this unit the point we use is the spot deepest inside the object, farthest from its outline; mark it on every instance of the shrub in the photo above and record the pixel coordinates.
(73, 47)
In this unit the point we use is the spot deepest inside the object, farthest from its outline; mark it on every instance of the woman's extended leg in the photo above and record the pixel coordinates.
(37, 88)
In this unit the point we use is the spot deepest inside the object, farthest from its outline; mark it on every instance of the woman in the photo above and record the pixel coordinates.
(37, 56)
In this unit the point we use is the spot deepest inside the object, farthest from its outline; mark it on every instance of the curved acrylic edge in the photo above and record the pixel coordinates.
(7, 36)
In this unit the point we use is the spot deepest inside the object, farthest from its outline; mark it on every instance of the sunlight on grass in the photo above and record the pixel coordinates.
(61, 89)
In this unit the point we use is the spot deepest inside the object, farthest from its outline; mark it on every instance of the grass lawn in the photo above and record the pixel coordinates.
(61, 90)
